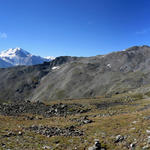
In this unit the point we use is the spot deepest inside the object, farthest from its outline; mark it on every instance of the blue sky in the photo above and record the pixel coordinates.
(74, 27)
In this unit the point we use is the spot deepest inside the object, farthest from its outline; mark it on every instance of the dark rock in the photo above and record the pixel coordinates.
(132, 145)
(39, 108)
(119, 138)
(82, 121)
(56, 142)
(147, 118)
(96, 146)
(55, 131)
(3, 145)
(9, 134)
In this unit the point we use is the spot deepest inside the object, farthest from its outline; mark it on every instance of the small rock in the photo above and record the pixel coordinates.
(9, 134)
(56, 142)
(3, 145)
(132, 128)
(46, 147)
(34, 127)
(148, 137)
(87, 121)
(132, 145)
(96, 146)
(145, 147)
(119, 138)
(30, 118)
(134, 122)
(20, 133)
(148, 141)
(38, 118)
(147, 118)
(148, 131)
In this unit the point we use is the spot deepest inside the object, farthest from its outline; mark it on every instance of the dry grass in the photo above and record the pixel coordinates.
(127, 120)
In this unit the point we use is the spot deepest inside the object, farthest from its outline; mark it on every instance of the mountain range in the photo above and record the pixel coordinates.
(69, 77)
(18, 56)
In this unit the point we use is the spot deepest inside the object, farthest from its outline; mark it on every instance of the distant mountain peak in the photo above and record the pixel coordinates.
(18, 56)
(12, 52)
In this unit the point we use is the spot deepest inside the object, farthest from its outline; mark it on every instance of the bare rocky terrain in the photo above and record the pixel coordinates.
(18, 108)
(78, 77)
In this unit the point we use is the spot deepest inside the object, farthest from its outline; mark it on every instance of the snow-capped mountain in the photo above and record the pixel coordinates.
(18, 56)
(4, 64)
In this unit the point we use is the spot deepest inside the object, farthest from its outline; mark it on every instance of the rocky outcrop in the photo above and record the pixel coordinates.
(55, 131)
(40, 108)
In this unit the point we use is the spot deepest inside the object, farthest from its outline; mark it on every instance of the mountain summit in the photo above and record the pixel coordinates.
(18, 56)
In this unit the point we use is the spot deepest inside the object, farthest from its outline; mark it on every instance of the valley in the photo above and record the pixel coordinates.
(74, 75)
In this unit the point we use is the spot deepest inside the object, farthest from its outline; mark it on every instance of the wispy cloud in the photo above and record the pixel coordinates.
(144, 31)
(3, 35)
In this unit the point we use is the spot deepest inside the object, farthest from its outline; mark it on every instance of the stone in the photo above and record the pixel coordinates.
(147, 118)
(82, 120)
(132, 145)
(148, 131)
(148, 141)
(46, 147)
(9, 134)
(57, 141)
(20, 133)
(3, 145)
(55, 131)
(87, 121)
(146, 147)
(96, 146)
(134, 122)
(119, 138)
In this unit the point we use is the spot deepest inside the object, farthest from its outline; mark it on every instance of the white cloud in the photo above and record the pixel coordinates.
(3, 35)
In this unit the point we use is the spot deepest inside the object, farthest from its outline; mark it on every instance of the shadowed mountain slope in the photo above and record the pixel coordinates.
(18, 83)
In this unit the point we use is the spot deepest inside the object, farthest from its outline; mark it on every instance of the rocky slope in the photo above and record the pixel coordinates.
(18, 83)
(72, 77)
(100, 75)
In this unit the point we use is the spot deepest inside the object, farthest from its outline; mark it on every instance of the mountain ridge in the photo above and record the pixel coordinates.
(69, 77)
